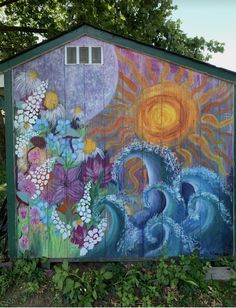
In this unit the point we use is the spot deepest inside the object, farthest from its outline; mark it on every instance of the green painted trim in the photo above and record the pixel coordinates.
(234, 178)
(10, 165)
(121, 41)
(2, 103)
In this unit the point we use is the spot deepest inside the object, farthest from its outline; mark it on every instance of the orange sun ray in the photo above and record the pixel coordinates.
(108, 130)
(130, 83)
(165, 71)
(137, 75)
(150, 72)
(223, 155)
(189, 81)
(200, 140)
(202, 86)
(224, 111)
(121, 142)
(179, 75)
(204, 98)
(126, 94)
(212, 105)
(209, 134)
(187, 156)
(210, 119)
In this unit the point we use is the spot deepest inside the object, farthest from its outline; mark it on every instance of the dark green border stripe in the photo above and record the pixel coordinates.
(234, 177)
(10, 165)
(121, 41)
(1, 103)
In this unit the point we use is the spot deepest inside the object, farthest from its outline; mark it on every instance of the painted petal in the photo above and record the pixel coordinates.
(83, 251)
(59, 194)
(73, 174)
(59, 173)
(75, 191)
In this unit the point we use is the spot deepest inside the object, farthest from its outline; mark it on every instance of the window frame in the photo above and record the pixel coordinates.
(89, 55)
(75, 54)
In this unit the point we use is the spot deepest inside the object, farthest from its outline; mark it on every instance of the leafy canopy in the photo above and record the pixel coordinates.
(148, 21)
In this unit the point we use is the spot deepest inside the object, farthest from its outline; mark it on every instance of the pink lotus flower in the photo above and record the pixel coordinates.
(24, 242)
(34, 216)
(23, 210)
(25, 229)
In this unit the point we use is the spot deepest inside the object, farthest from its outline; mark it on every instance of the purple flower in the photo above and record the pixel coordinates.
(25, 185)
(97, 167)
(34, 216)
(66, 185)
(25, 229)
(78, 235)
(23, 211)
(24, 242)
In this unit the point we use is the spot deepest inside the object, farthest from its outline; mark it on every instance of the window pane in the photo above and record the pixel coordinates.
(71, 55)
(96, 55)
(83, 55)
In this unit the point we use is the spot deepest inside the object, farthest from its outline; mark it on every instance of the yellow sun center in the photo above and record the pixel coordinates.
(166, 114)
(51, 100)
(32, 75)
(89, 146)
(77, 110)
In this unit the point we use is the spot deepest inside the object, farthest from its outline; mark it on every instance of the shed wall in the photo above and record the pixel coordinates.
(129, 159)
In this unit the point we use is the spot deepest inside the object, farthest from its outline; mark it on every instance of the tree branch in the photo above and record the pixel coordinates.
(7, 2)
(4, 28)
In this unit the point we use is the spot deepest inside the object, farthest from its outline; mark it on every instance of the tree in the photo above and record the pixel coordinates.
(148, 21)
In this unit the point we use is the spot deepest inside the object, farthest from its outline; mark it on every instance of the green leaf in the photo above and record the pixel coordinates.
(108, 275)
(23, 196)
(65, 265)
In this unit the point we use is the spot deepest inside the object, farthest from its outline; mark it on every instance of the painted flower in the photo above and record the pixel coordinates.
(78, 235)
(26, 185)
(90, 149)
(62, 126)
(23, 210)
(34, 216)
(37, 156)
(24, 242)
(41, 125)
(76, 115)
(66, 184)
(95, 168)
(25, 229)
(27, 82)
(54, 110)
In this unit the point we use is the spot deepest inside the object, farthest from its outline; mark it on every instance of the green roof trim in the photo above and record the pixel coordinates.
(86, 29)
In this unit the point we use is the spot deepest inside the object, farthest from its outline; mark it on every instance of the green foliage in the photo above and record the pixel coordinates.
(167, 282)
(2, 181)
(146, 21)
(83, 288)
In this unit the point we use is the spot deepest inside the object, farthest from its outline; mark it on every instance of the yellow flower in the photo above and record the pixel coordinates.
(89, 146)
(77, 110)
(32, 75)
(79, 222)
(51, 100)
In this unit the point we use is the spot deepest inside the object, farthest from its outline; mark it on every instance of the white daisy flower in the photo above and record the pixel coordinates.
(76, 113)
(27, 82)
(90, 149)
(54, 110)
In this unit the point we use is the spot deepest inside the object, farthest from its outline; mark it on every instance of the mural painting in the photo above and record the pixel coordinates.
(131, 158)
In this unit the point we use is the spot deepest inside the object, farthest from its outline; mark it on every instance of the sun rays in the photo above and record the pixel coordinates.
(168, 105)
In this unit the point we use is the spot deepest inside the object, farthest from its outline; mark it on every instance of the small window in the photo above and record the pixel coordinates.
(71, 55)
(83, 55)
(96, 55)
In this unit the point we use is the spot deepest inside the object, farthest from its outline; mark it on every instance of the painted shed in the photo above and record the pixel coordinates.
(118, 150)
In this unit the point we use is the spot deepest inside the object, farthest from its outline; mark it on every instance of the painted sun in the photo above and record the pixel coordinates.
(164, 104)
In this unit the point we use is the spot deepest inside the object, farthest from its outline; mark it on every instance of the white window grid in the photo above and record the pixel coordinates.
(77, 55)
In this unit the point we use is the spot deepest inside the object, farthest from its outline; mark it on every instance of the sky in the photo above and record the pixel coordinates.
(212, 19)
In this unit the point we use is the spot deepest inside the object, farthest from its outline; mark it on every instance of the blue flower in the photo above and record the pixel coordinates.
(41, 125)
(77, 144)
(62, 126)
